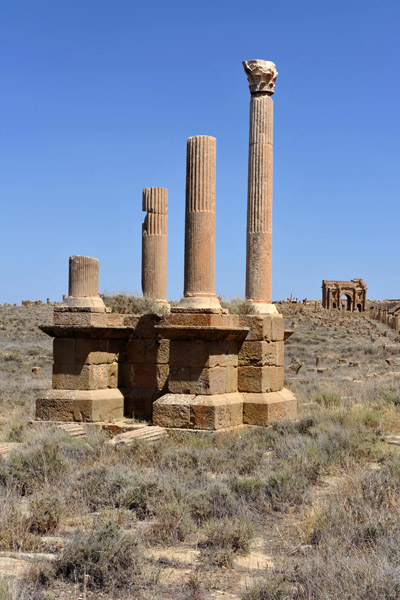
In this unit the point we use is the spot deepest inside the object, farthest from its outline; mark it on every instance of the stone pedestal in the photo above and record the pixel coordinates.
(261, 75)
(84, 284)
(154, 244)
(224, 371)
(199, 280)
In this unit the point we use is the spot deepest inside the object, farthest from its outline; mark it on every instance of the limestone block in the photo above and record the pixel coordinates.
(263, 409)
(261, 354)
(64, 351)
(263, 327)
(80, 405)
(82, 319)
(143, 324)
(201, 354)
(217, 412)
(201, 319)
(172, 410)
(82, 377)
(114, 320)
(146, 375)
(198, 412)
(149, 351)
(197, 381)
(78, 351)
(277, 328)
(260, 379)
(231, 380)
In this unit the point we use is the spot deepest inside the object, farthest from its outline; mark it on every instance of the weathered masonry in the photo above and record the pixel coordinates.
(197, 367)
(344, 295)
(387, 312)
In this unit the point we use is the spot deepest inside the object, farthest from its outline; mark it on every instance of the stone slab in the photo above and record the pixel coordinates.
(189, 411)
(263, 409)
(80, 405)
(270, 328)
(260, 379)
(85, 377)
(183, 380)
(261, 353)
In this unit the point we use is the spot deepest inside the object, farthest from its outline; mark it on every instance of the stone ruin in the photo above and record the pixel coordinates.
(350, 296)
(197, 367)
(387, 312)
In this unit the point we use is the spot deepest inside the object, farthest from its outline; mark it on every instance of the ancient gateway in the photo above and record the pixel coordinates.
(197, 367)
(344, 295)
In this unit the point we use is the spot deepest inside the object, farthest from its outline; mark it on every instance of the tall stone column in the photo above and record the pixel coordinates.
(261, 75)
(154, 244)
(199, 283)
(83, 288)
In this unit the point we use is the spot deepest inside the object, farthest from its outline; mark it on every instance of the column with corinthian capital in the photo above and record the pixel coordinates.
(261, 75)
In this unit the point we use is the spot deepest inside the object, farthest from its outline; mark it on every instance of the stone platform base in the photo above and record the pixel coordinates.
(80, 405)
(187, 411)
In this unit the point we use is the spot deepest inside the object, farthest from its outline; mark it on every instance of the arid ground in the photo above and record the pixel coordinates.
(301, 510)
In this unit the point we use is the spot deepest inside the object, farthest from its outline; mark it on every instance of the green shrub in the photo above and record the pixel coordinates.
(46, 511)
(225, 537)
(172, 523)
(107, 558)
(37, 464)
(213, 502)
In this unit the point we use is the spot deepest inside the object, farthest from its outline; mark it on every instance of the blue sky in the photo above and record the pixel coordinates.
(98, 98)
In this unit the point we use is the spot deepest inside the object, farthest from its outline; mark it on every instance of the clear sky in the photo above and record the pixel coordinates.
(98, 98)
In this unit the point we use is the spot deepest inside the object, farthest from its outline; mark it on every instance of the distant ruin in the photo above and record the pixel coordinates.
(387, 312)
(350, 296)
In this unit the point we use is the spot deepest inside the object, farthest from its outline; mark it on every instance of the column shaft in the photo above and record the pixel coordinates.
(259, 201)
(154, 243)
(83, 285)
(199, 280)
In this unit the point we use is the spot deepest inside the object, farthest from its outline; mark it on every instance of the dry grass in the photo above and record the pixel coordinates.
(211, 495)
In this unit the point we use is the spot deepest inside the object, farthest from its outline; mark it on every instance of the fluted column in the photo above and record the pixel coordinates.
(83, 286)
(199, 284)
(154, 244)
(261, 75)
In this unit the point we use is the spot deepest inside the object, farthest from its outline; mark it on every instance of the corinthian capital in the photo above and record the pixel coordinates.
(261, 75)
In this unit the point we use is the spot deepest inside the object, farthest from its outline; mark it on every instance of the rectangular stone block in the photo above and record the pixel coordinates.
(143, 324)
(200, 354)
(231, 380)
(97, 351)
(64, 351)
(269, 328)
(197, 381)
(198, 412)
(83, 319)
(145, 376)
(201, 319)
(261, 353)
(81, 377)
(217, 412)
(80, 405)
(147, 351)
(277, 328)
(263, 409)
(172, 411)
(260, 379)
(80, 351)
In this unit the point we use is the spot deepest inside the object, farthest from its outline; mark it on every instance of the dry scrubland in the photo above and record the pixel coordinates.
(304, 510)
